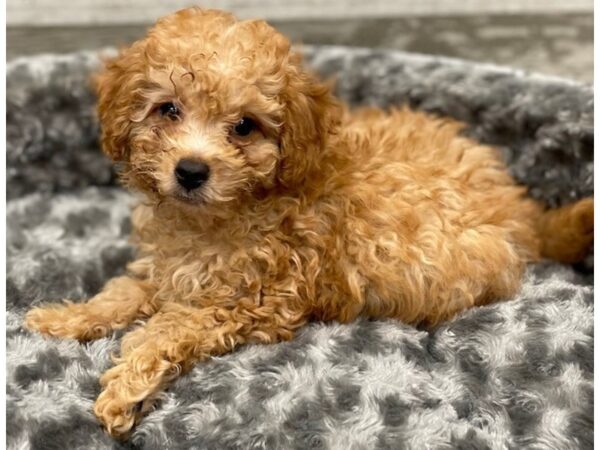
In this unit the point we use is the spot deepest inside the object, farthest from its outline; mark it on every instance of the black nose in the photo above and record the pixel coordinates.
(191, 174)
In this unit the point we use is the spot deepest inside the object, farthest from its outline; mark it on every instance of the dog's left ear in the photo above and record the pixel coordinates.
(311, 115)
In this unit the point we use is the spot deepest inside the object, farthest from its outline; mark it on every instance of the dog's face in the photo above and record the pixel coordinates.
(207, 110)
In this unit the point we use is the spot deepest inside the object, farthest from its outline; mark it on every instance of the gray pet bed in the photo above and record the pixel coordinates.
(517, 374)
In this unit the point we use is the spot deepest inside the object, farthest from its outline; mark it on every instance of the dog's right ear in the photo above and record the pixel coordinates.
(114, 106)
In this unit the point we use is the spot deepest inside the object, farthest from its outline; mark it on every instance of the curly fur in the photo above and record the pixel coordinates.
(320, 213)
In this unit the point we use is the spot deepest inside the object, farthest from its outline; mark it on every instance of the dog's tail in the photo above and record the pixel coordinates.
(567, 233)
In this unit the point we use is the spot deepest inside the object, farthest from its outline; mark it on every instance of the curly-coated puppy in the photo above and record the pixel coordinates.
(270, 204)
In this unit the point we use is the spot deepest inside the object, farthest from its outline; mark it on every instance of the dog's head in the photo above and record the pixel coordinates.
(207, 109)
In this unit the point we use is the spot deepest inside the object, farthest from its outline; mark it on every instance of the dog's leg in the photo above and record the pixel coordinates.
(122, 301)
(173, 340)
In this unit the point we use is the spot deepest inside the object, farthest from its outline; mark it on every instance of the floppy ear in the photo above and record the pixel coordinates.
(114, 88)
(311, 115)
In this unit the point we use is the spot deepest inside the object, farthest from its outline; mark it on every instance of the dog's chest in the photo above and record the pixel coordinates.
(220, 267)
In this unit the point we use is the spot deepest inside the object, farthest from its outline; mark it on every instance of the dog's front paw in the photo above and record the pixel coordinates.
(113, 374)
(115, 412)
(65, 321)
(50, 320)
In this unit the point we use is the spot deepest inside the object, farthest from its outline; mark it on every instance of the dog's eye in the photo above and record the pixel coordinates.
(244, 127)
(169, 110)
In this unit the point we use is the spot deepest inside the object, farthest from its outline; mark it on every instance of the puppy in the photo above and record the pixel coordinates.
(269, 204)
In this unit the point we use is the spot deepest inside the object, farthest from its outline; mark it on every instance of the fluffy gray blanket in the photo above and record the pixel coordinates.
(517, 374)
